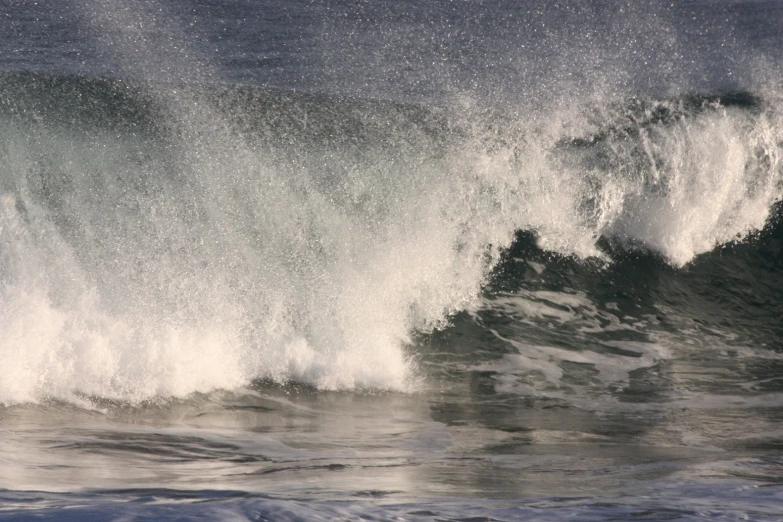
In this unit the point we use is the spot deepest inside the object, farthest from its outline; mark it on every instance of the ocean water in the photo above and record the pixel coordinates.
(413, 260)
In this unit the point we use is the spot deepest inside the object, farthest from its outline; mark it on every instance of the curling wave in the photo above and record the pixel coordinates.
(162, 240)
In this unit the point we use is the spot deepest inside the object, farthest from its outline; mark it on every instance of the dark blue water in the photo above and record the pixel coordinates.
(440, 260)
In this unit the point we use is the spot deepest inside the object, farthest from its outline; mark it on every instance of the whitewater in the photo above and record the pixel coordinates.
(391, 261)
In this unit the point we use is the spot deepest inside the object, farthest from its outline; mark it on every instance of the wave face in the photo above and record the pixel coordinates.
(164, 233)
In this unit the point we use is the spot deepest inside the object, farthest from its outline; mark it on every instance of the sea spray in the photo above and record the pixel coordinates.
(164, 263)
(164, 233)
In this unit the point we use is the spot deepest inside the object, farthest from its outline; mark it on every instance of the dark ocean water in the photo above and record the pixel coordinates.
(443, 260)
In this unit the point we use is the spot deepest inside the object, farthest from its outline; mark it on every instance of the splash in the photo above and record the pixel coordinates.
(160, 238)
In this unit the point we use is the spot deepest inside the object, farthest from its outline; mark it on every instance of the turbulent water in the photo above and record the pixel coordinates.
(440, 260)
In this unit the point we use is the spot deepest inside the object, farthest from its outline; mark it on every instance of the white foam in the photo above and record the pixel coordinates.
(716, 176)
